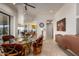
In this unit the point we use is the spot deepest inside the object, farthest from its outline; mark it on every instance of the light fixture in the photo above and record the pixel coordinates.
(51, 11)
(14, 3)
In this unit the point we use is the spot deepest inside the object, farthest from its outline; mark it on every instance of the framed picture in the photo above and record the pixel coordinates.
(61, 25)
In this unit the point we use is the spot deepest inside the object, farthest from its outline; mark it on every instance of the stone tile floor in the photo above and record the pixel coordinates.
(50, 48)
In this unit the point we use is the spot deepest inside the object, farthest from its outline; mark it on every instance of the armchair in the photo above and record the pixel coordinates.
(37, 46)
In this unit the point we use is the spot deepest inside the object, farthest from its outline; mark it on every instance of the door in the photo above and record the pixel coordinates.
(77, 26)
(49, 31)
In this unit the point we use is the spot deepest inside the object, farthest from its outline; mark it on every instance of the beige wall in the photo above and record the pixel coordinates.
(42, 19)
(68, 11)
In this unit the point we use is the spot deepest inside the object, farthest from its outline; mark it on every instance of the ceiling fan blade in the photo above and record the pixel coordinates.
(29, 5)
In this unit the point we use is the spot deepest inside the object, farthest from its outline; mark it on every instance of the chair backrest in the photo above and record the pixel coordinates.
(39, 39)
(7, 37)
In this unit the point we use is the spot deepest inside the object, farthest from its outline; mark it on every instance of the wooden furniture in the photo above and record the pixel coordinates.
(7, 37)
(15, 49)
(37, 46)
(11, 49)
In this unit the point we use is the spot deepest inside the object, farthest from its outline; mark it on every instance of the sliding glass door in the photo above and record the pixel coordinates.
(4, 24)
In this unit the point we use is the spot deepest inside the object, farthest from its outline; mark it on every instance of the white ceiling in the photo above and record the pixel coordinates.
(13, 7)
(44, 8)
(41, 9)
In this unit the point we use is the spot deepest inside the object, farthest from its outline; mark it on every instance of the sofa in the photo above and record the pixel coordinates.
(70, 42)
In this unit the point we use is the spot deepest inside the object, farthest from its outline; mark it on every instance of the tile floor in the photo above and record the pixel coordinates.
(50, 48)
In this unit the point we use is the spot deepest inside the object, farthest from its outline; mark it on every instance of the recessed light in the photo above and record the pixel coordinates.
(51, 11)
(14, 3)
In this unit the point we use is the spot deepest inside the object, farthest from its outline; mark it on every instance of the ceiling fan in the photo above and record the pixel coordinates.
(26, 4)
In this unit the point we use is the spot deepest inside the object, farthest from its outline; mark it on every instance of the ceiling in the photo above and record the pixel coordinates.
(44, 8)
(13, 7)
(41, 8)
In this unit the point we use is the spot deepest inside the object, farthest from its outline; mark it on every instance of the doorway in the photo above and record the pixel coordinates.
(49, 31)
(77, 27)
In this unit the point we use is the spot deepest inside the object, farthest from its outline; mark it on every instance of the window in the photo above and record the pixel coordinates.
(4, 23)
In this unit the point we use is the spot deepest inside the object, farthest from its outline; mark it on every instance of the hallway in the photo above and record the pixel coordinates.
(50, 48)
(35, 22)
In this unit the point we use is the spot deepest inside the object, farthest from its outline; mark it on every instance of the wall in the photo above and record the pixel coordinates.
(68, 11)
(42, 19)
(39, 30)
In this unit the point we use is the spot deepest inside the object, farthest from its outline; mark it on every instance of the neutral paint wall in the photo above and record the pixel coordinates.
(42, 19)
(68, 11)
(39, 30)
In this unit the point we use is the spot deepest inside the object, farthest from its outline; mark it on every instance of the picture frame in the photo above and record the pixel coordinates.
(61, 25)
